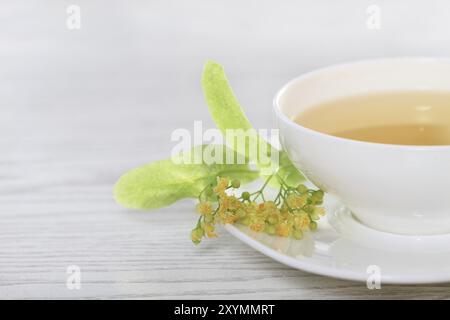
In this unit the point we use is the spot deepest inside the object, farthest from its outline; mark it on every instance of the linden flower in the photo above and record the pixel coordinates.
(319, 211)
(290, 200)
(233, 203)
(204, 208)
(229, 204)
(246, 221)
(288, 215)
(302, 222)
(317, 196)
(284, 211)
(210, 231)
(270, 229)
(283, 229)
(241, 213)
(224, 203)
(266, 208)
(273, 218)
(197, 235)
(257, 225)
(270, 205)
(222, 184)
(251, 207)
(209, 218)
(295, 201)
(250, 210)
(220, 193)
(297, 234)
(229, 217)
(302, 188)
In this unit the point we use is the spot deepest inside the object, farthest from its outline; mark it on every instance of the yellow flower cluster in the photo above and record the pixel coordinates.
(293, 211)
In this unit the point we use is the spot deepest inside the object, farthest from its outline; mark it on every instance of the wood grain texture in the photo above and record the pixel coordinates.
(79, 108)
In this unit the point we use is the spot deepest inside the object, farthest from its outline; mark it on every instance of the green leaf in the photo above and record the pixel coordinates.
(228, 114)
(222, 103)
(164, 182)
(225, 108)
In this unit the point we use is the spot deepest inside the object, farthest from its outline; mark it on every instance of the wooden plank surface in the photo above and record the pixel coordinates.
(79, 108)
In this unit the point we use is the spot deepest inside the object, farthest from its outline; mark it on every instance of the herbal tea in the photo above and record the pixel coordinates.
(399, 117)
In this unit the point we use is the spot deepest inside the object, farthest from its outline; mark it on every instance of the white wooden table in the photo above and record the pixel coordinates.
(79, 108)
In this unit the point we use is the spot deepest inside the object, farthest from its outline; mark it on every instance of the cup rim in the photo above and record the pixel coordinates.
(280, 114)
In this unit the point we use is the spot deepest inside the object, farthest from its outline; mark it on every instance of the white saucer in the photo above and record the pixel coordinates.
(344, 248)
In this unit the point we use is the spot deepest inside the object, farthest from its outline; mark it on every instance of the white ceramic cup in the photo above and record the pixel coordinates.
(393, 188)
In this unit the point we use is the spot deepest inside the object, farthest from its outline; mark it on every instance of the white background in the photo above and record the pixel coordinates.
(80, 107)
